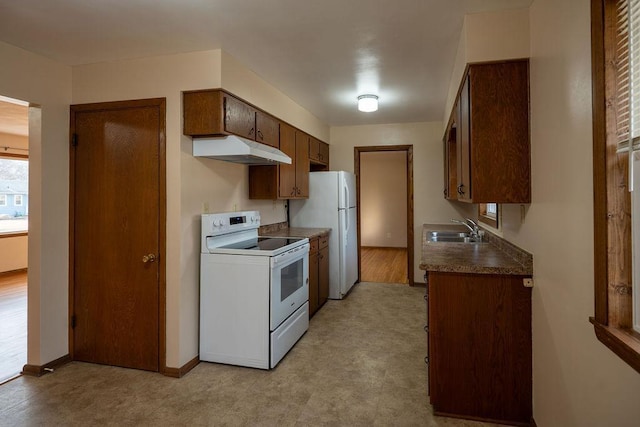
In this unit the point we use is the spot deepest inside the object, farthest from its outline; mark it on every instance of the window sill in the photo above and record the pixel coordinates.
(623, 342)
(14, 234)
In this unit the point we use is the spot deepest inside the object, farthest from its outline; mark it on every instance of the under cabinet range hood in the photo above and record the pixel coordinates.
(236, 149)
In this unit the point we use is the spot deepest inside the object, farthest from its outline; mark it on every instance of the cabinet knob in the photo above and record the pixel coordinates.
(426, 360)
(460, 189)
(251, 131)
(260, 135)
(426, 328)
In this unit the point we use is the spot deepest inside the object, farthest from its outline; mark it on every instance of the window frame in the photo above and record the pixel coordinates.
(17, 197)
(14, 233)
(486, 218)
(613, 319)
(4, 200)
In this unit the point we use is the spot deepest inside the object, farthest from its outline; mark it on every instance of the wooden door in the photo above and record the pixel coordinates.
(302, 165)
(287, 178)
(117, 233)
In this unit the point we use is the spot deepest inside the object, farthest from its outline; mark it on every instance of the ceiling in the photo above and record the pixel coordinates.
(322, 54)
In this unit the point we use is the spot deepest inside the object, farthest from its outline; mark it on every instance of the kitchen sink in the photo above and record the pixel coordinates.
(452, 236)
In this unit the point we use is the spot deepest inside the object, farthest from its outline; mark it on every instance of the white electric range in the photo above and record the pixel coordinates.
(254, 291)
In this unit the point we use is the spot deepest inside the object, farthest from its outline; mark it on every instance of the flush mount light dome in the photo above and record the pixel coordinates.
(368, 103)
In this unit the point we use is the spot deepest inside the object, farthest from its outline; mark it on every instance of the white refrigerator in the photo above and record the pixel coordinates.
(332, 204)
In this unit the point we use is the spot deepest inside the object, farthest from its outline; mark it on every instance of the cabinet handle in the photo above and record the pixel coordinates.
(251, 131)
(426, 360)
(293, 191)
(298, 191)
(426, 328)
(260, 135)
(445, 192)
(426, 297)
(460, 189)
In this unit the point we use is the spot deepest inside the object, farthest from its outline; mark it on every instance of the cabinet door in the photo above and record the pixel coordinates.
(463, 145)
(480, 346)
(239, 118)
(323, 154)
(302, 165)
(268, 129)
(314, 149)
(313, 278)
(287, 173)
(323, 275)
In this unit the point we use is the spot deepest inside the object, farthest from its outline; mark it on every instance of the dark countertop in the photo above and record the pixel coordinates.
(298, 232)
(493, 256)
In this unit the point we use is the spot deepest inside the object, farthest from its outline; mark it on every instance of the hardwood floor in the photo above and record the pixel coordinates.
(13, 324)
(384, 265)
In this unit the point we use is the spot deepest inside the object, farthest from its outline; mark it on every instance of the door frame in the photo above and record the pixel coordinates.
(160, 104)
(410, 243)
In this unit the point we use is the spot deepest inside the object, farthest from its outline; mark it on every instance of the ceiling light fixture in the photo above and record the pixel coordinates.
(368, 103)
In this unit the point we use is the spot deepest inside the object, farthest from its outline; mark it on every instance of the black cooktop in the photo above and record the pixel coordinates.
(263, 243)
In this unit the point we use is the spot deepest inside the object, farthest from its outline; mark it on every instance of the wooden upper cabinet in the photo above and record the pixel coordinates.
(318, 155)
(284, 181)
(203, 113)
(302, 164)
(268, 129)
(492, 134)
(287, 184)
(215, 112)
(239, 118)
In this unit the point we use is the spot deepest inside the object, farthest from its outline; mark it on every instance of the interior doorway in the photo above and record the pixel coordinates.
(384, 179)
(14, 209)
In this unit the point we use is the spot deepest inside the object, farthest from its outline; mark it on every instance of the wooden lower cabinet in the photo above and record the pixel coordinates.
(318, 272)
(479, 336)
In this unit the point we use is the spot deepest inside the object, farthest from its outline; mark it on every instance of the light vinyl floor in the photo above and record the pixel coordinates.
(361, 363)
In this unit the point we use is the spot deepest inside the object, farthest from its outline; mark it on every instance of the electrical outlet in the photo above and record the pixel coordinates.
(205, 207)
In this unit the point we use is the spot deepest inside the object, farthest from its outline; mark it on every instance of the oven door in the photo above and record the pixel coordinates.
(289, 283)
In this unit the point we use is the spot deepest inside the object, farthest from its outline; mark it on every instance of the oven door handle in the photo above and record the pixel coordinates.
(290, 256)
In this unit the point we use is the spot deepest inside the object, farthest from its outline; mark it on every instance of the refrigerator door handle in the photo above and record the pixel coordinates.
(347, 196)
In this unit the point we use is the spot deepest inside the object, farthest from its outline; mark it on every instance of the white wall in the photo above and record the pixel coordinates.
(32, 78)
(383, 199)
(191, 182)
(577, 381)
(428, 169)
(490, 36)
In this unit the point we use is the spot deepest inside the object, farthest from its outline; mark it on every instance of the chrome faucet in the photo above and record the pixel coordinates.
(471, 225)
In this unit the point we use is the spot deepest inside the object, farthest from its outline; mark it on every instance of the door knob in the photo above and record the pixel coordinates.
(149, 258)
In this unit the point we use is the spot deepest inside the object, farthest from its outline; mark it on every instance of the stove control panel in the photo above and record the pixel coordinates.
(229, 222)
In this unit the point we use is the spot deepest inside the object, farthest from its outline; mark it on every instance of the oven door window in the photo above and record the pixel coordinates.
(291, 279)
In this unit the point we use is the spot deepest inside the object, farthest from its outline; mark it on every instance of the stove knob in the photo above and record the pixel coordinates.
(253, 219)
(221, 222)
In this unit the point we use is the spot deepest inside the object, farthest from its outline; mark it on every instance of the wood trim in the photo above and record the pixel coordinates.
(611, 201)
(599, 160)
(383, 247)
(160, 103)
(484, 218)
(40, 370)
(10, 272)
(623, 342)
(182, 371)
(18, 234)
(486, 420)
(410, 234)
(14, 155)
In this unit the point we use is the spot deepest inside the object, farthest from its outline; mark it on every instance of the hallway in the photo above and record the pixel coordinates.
(384, 265)
(13, 324)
